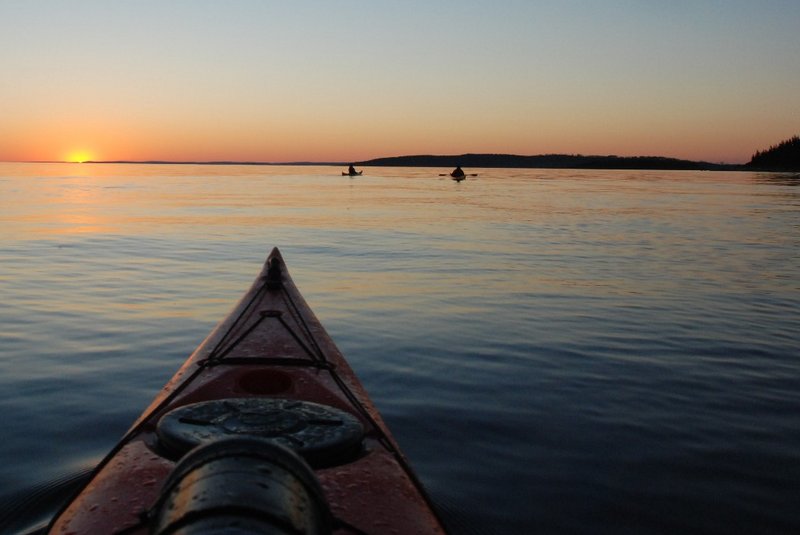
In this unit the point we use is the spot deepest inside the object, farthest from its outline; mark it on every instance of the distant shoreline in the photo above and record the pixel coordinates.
(551, 161)
(187, 162)
(542, 161)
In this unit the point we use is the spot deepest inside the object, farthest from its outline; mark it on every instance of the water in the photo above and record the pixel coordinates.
(557, 351)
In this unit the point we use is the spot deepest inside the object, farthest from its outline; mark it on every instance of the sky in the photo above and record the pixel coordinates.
(277, 81)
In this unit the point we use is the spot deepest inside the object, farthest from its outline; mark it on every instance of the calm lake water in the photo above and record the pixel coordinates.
(557, 351)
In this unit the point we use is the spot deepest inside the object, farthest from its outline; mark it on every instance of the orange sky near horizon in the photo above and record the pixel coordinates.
(245, 81)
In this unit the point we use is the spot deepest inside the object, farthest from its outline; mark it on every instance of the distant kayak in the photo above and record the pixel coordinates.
(265, 429)
(352, 174)
(458, 178)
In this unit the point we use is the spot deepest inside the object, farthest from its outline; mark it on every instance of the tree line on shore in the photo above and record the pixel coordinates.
(785, 156)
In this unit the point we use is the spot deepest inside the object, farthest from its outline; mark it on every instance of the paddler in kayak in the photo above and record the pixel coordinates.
(458, 173)
(351, 170)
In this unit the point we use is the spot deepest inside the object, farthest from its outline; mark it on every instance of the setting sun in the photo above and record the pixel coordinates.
(79, 157)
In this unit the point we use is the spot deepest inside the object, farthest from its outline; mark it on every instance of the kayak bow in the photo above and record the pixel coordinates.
(264, 425)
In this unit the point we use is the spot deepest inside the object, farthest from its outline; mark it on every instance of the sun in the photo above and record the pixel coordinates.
(79, 156)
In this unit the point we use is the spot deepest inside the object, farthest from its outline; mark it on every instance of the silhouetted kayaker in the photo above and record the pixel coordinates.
(457, 172)
(351, 170)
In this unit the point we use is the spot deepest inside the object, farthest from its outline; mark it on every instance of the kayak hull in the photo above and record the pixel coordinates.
(270, 347)
(352, 174)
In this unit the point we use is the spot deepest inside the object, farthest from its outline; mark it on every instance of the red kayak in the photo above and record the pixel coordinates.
(264, 429)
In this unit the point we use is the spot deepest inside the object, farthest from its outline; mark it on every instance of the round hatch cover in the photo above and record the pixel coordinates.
(323, 435)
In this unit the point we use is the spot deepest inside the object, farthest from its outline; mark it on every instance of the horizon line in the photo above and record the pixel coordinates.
(366, 162)
(175, 162)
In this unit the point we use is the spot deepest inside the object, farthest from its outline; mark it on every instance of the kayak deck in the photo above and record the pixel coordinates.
(271, 351)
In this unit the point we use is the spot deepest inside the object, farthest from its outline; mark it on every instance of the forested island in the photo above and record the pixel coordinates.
(550, 161)
(784, 156)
